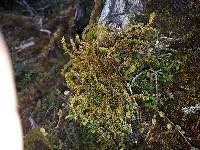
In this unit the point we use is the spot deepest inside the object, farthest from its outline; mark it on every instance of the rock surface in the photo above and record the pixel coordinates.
(120, 12)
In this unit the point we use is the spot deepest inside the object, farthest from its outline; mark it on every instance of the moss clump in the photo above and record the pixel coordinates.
(36, 136)
(108, 72)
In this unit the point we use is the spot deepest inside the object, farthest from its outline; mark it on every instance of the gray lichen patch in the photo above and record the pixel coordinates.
(117, 12)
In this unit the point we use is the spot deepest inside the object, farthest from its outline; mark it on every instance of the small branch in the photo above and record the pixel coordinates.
(185, 138)
(168, 55)
(155, 73)
(136, 77)
(43, 8)
(25, 44)
(46, 31)
(32, 123)
(133, 80)
(129, 87)
(156, 84)
(166, 38)
(60, 115)
(45, 52)
(28, 8)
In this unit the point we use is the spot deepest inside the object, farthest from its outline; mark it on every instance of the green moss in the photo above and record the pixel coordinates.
(36, 136)
(107, 73)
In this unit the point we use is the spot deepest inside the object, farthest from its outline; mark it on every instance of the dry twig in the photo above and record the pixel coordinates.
(27, 6)
(185, 138)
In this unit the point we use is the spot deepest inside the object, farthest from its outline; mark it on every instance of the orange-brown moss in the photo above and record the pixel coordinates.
(96, 12)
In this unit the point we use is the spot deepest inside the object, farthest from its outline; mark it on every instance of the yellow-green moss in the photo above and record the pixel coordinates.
(103, 68)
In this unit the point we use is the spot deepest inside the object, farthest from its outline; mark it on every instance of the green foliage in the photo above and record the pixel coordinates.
(52, 99)
(109, 70)
(131, 15)
(79, 138)
(28, 77)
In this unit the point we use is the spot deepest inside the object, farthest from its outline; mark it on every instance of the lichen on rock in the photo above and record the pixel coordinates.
(117, 12)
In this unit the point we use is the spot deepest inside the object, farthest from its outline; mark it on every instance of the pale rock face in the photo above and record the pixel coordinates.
(117, 12)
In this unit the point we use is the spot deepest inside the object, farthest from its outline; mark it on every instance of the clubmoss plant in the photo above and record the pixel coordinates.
(108, 72)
